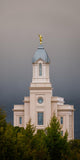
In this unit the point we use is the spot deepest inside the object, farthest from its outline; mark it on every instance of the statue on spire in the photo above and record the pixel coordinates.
(40, 37)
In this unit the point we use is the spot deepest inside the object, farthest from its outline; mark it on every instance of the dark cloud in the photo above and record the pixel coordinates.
(20, 24)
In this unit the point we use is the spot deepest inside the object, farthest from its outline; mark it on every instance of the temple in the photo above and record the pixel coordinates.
(42, 105)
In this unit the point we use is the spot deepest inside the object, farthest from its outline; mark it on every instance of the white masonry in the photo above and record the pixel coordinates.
(41, 105)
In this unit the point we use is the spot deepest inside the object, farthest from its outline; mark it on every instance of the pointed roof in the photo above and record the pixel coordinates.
(41, 54)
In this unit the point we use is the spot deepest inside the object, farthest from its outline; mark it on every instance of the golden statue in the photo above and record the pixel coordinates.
(40, 37)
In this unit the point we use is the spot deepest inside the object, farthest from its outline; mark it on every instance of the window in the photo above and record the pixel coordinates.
(40, 118)
(40, 100)
(61, 133)
(20, 120)
(61, 120)
(40, 69)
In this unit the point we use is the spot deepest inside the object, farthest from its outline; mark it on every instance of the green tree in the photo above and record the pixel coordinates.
(40, 151)
(27, 144)
(10, 143)
(20, 143)
(3, 125)
(28, 141)
(74, 149)
(56, 144)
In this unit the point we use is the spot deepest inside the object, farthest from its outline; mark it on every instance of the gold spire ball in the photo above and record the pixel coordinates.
(40, 37)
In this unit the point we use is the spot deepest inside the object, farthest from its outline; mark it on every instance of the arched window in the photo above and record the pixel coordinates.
(40, 69)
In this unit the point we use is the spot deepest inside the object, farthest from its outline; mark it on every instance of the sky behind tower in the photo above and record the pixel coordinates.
(20, 23)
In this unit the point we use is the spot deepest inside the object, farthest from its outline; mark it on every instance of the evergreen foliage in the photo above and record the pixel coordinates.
(56, 144)
(28, 144)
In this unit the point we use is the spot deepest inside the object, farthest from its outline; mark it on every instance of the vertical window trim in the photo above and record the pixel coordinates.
(38, 118)
(40, 69)
(61, 120)
(20, 120)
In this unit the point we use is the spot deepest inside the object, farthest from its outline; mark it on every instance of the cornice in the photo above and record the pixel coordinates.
(40, 88)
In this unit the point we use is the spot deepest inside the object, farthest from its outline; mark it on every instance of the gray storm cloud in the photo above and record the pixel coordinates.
(20, 24)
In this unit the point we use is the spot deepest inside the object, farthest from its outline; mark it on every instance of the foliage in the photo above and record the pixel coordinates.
(30, 144)
(56, 144)
(40, 151)
(2, 132)
(75, 149)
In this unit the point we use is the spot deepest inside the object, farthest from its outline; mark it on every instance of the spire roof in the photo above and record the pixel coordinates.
(41, 54)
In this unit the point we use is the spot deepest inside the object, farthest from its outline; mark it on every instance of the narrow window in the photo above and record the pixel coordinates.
(61, 133)
(40, 69)
(61, 121)
(20, 120)
(40, 118)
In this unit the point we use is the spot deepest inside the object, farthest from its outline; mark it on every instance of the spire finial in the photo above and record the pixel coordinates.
(40, 37)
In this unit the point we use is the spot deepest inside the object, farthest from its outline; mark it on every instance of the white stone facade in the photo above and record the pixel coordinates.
(41, 105)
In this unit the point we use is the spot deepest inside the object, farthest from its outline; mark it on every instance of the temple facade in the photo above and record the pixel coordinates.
(42, 105)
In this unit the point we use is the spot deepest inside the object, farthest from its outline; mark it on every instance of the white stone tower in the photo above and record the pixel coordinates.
(40, 89)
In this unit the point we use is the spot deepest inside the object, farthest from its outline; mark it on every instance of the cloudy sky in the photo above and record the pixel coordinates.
(20, 23)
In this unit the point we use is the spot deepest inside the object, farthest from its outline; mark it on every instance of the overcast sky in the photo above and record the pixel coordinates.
(20, 23)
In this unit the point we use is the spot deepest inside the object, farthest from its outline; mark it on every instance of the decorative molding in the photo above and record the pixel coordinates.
(40, 88)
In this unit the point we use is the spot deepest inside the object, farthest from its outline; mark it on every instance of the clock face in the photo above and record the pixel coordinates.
(40, 100)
